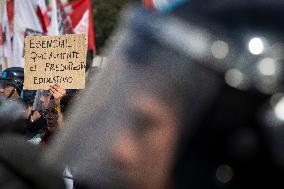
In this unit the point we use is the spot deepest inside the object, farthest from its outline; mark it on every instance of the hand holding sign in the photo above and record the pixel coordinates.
(58, 92)
(55, 59)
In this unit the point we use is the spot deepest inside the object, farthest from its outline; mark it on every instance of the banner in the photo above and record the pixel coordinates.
(149, 4)
(7, 29)
(55, 59)
(42, 13)
(60, 22)
(25, 18)
(53, 29)
(1, 44)
(65, 26)
(81, 15)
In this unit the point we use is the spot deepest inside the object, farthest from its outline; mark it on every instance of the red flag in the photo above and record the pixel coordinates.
(81, 15)
(149, 4)
(25, 18)
(10, 13)
(1, 35)
(1, 46)
(64, 21)
(7, 29)
(42, 13)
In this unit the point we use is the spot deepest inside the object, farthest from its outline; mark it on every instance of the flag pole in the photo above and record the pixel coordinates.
(54, 29)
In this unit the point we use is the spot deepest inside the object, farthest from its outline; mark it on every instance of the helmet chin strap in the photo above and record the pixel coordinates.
(11, 93)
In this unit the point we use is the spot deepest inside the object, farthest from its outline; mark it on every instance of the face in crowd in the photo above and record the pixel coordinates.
(45, 100)
(9, 91)
(146, 151)
(52, 119)
(50, 101)
(50, 113)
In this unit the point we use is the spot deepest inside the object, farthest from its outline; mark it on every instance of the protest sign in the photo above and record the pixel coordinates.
(55, 59)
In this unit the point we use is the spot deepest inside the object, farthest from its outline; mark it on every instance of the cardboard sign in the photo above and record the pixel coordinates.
(55, 59)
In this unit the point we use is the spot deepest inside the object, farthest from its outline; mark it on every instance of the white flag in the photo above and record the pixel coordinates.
(25, 18)
(7, 43)
(54, 28)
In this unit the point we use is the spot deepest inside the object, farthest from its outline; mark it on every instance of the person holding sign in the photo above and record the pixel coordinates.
(20, 161)
(55, 59)
(12, 80)
(54, 63)
(51, 102)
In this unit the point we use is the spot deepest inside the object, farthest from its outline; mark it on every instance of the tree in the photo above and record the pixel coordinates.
(106, 15)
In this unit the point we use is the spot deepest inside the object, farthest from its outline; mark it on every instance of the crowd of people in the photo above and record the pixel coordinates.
(43, 109)
(189, 98)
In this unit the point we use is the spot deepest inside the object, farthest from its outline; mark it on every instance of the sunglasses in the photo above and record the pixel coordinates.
(49, 113)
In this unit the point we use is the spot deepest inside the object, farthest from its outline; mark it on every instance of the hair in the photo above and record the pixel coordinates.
(11, 116)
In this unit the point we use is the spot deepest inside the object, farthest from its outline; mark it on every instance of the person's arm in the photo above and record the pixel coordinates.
(58, 92)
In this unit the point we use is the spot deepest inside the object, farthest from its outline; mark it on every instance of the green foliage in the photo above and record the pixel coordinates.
(106, 15)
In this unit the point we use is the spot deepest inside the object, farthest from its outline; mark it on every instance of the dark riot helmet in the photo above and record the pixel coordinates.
(219, 65)
(233, 113)
(13, 76)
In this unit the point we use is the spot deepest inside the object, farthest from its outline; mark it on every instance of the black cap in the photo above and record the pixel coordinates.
(14, 76)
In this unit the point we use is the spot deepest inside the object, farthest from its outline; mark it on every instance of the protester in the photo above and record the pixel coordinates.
(35, 122)
(49, 103)
(12, 80)
(11, 88)
(11, 115)
(43, 117)
(189, 99)
(20, 165)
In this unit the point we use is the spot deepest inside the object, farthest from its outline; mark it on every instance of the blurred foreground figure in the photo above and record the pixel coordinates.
(20, 166)
(193, 99)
